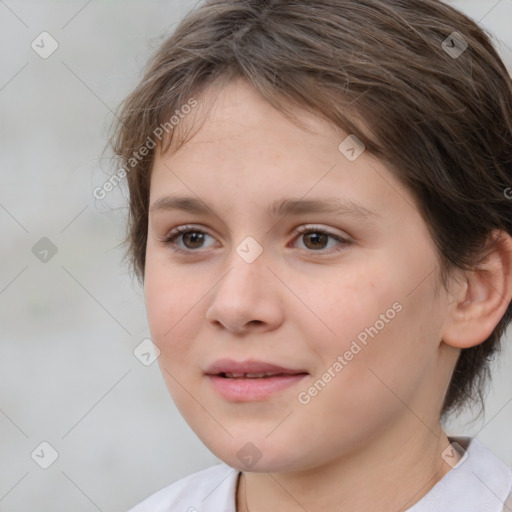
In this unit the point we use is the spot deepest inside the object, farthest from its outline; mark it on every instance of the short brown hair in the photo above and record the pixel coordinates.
(442, 122)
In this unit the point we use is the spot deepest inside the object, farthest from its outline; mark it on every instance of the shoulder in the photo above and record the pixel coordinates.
(210, 489)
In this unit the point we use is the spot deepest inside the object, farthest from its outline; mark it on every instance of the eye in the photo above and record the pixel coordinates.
(191, 237)
(315, 238)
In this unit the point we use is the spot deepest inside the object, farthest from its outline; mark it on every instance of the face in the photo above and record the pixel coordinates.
(338, 291)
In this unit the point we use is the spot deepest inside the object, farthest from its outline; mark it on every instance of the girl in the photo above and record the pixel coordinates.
(320, 214)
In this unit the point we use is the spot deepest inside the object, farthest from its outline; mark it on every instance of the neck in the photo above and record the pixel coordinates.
(386, 475)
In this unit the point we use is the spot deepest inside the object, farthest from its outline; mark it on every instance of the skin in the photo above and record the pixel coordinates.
(371, 439)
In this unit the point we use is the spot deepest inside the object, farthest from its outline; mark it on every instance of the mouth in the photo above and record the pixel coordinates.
(261, 375)
(251, 380)
(250, 368)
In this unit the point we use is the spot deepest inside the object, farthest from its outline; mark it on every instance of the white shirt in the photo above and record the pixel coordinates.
(480, 482)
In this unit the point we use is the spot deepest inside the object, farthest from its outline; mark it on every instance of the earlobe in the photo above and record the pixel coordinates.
(483, 298)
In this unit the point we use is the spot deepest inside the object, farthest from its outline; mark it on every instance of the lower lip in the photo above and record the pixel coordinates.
(242, 390)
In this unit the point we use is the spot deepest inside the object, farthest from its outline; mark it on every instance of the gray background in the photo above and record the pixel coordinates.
(68, 326)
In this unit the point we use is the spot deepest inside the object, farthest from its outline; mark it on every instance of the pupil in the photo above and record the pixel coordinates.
(195, 236)
(316, 237)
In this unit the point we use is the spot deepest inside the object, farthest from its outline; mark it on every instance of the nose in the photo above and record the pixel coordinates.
(246, 299)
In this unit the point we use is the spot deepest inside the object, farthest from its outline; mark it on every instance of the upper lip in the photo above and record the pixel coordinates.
(248, 366)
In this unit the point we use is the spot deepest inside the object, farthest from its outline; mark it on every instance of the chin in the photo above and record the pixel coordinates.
(257, 456)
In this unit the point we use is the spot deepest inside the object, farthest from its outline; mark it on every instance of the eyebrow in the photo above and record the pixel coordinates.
(278, 208)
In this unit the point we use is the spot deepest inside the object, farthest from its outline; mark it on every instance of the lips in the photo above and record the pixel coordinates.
(260, 375)
(250, 369)
(251, 380)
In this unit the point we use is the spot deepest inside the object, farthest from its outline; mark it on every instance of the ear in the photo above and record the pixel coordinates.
(482, 296)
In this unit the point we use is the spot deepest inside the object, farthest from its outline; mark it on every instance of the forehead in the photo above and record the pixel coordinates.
(242, 146)
(228, 111)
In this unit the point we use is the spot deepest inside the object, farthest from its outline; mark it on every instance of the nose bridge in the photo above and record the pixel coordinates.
(246, 259)
(246, 269)
(243, 295)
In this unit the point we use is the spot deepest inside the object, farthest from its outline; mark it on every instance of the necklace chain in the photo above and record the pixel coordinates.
(245, 493)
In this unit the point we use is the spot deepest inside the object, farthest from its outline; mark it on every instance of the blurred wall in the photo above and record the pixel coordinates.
(70, 317)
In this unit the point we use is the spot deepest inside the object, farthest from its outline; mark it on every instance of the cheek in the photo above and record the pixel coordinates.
(173, 301)
(376, 323)
(352, 302)
(389, 349)
(173, 305)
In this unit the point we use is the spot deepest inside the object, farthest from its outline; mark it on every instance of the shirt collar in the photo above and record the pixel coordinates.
(480, 482)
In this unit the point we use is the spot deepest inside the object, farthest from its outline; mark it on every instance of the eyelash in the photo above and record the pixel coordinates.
(169, 239)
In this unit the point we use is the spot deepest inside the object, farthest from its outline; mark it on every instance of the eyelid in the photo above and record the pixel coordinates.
(323, 229)
(180, 230)
(343, 239)
(185, 228)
